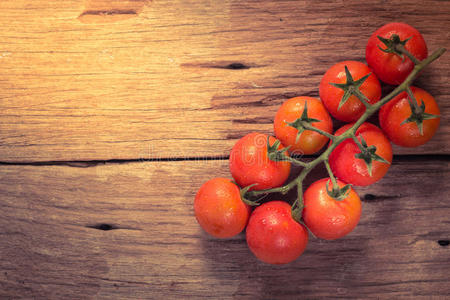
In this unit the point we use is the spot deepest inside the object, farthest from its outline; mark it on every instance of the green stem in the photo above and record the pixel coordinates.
(299, 201)
(297, 206)
(330, 173)
(402, 49)
(312, 128)
(412, 100)
(295, 161)
(362, 98)
(282, 189)
(358, 143)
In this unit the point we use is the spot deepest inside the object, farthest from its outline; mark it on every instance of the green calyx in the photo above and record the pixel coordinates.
(338, 193)
(368, 155)
(418, 115)
(243, 194)
(351, 87)
(302, 123)
(297, 213)
(392, 44)
(274, 154)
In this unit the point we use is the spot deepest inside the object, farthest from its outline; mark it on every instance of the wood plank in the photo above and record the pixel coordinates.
(155, 249)
(180, 78)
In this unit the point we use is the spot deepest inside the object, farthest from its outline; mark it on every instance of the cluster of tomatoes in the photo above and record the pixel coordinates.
(272, 233)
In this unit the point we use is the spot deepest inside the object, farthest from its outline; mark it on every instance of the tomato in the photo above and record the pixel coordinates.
(273, 235)
(219, 209)
(329, 218)
(331, 96)
(249, 163)
(391, 68)
(350, 169)
(393, 113)
(309, 141)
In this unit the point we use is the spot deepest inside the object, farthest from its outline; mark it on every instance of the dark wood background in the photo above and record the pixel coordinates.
(113, 113)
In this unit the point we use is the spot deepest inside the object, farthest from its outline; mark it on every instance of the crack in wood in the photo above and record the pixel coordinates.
(234, 66)
(93, 163)
(108, 12)
(104, 11)
(378, 198)
(222, 65)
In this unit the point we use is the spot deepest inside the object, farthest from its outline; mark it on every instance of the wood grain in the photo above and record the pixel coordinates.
(113, 113)
(180, 78)
(147, 244)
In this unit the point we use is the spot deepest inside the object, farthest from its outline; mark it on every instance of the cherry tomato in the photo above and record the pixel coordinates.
(391, 68)
(393, 113)
(331, 96)
(329, 218)
(309, 141)
(273, 235)
(249, 163)
(350, 169)
(219, 209)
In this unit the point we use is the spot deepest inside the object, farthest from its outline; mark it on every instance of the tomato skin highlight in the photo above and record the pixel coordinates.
(348, 168)
(326, 217)
(309, 142)
(390, 67)
(249, 163)
(219, 209)
(393, 113)
(331, 96)
(273, 236)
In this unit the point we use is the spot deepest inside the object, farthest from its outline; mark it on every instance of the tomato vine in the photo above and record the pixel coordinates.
(358, 153)
(297, 206)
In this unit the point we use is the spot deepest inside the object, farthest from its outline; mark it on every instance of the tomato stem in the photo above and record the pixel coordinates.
(412, 100)
(400, 48)
(332, 177)
(312, 128)
(362, 98)
(358, 143)
(418, 114)
(297, 206)
(296, 161)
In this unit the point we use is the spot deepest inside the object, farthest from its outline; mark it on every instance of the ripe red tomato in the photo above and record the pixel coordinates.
(393, 113)
(309, 141)
(273, 235)
(329, 218)
(219, 209)
(331, 96)
(249, 163)
(350, 169)
(390, 67)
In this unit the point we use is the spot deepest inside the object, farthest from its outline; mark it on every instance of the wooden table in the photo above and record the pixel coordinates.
(113, 113)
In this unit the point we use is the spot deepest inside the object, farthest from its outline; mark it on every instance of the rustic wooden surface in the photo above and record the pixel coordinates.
(113, 113)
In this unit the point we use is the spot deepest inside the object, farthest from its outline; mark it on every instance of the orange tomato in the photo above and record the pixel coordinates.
(329, 218)
(249, 163)
(393, 113)
(309, 141)
(219, 209)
